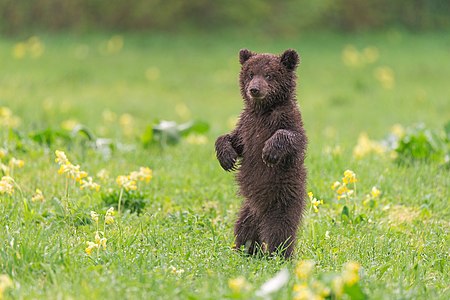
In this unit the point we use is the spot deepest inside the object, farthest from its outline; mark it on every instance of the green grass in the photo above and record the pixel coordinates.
(191, 203)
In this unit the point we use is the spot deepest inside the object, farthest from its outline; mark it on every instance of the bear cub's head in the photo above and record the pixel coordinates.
(267, 79)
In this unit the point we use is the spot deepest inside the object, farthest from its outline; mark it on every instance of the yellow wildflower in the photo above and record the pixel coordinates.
(335, 185)
(315, 204)
(109, 216)
(94, 216)
(237, 285)
(304, 269)
(38, 196)
(90, 246)
(342, 190)
(349, 177)
(102, 243)
(375, 192)
(385, 76)
(7, 185)
(61, 158)
(97, 238)
(103, 175)
(126, 182)
(350, 274)
(14, 162)
(303, 292)
(89, 184)
(176, 271)
(80, 175)
(144, 174)
(70, 170)
(310, 195)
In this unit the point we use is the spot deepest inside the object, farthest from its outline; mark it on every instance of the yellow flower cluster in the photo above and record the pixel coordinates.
(38, 196)
(74, 172)
(366, 146)
(33, 47)
(342, 189)
(7, 185)
(238, 285)
(8, 119)
(354, 58)
(13, 163)
(128, 182)
(98, 244)
(349, 277)
(308, 288)
(100, 238)
(314, 202)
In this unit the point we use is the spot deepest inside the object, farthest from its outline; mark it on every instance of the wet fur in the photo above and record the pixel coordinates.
(268, 148)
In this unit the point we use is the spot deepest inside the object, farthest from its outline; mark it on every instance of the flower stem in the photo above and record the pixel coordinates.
(120, 200)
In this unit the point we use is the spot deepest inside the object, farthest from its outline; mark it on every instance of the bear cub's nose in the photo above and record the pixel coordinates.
(254, 91)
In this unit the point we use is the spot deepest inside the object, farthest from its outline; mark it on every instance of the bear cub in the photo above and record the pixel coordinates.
(268, 148)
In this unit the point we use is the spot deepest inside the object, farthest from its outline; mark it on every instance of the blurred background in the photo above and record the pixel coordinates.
(272, 16)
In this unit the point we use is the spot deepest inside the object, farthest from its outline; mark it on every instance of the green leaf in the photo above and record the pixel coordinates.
(345, 214)
(354, 292)
(147, 136)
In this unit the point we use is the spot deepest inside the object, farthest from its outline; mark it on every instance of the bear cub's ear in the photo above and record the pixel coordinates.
(290, 59)
(244, 55)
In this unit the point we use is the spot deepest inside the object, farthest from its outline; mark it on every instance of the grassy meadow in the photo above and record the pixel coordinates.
(173, 236)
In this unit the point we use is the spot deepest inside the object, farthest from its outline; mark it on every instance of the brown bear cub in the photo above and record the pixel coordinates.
(268, 148)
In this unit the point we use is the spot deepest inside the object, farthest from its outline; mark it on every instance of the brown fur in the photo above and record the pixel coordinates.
(268, 148)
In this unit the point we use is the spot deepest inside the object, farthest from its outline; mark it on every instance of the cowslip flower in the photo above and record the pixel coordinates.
(335, 185)
(304, 269)
(303, 292)
(349, 177)
(237, 285)
(7, 185)
(144, 174)
(14, 162)
(103, 175)
(314, 202)
(126, 182)
(61, 158)
(89, 184)
(375, 193)
(350, 274)
(38, 196)
(90, 246)
(80, 175)
(109, 216)
(94, 216)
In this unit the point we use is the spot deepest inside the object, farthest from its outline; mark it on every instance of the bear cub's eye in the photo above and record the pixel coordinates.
(250, 75)
(268, 77)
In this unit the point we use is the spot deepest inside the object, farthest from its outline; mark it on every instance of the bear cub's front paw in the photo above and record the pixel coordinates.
(270, 155)
(227, 159)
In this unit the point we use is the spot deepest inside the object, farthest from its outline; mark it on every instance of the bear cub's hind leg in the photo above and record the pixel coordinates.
(246, 231)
